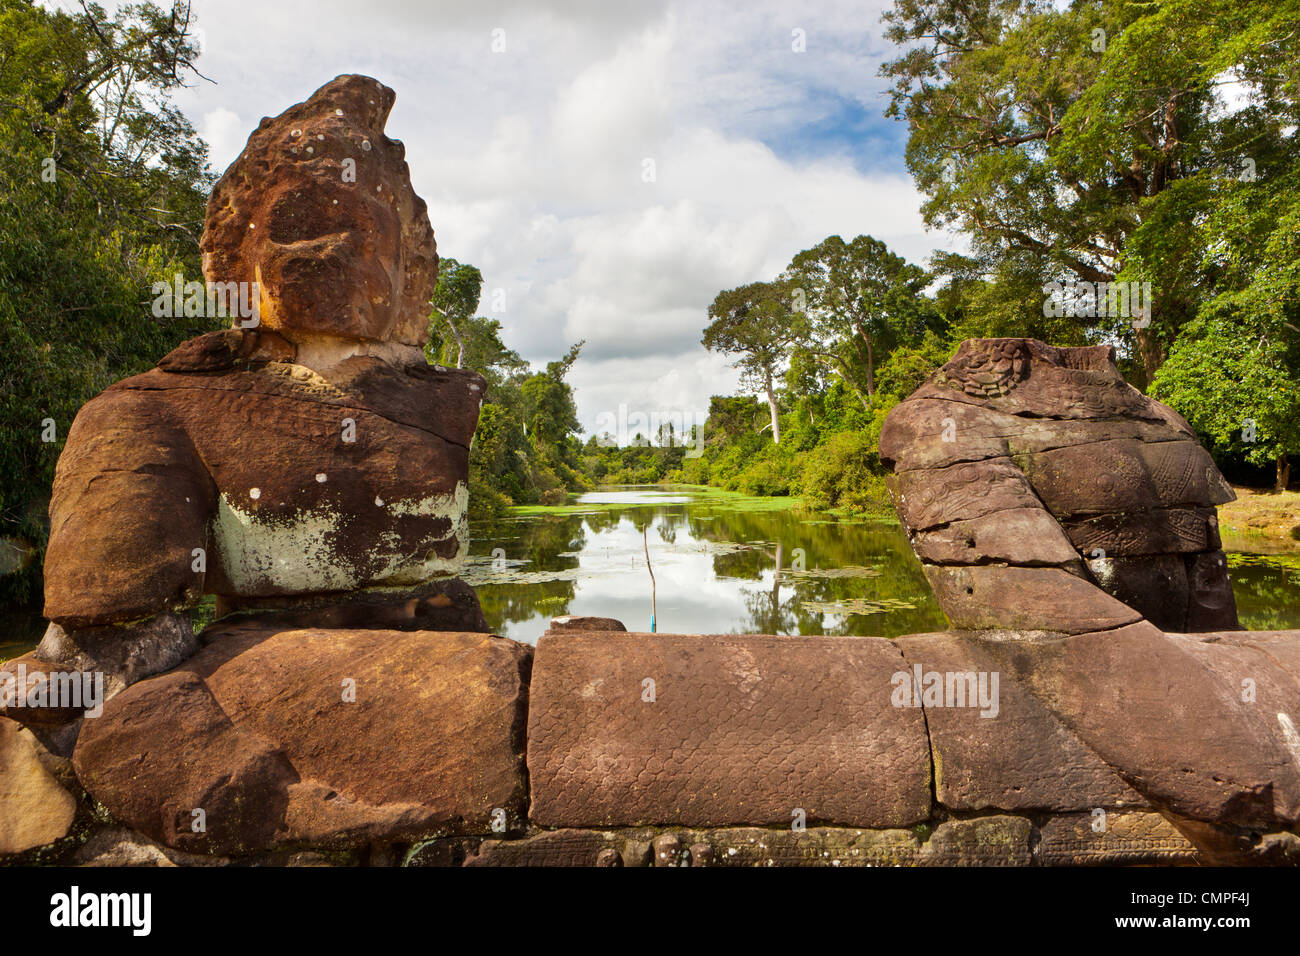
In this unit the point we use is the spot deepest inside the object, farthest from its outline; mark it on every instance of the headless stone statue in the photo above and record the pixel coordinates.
(1042, 492)
(307, 463)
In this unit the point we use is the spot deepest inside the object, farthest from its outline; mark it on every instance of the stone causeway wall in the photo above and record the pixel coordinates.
(607, 748)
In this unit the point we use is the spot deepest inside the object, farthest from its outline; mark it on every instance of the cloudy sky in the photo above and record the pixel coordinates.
(533, 156)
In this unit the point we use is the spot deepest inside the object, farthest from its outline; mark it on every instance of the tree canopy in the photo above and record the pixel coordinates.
(103, 185)
(757, 324)
(1081, 143)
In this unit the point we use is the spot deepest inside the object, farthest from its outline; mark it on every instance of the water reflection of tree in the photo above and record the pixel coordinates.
(601, 521)
(825, 545)
(767, 613)
(550, 543)
(1266, 588)
(769, 539)
(670, 521)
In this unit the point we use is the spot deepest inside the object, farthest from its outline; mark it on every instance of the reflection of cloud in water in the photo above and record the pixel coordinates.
(632, 498)
(594, 564)
(611, 581)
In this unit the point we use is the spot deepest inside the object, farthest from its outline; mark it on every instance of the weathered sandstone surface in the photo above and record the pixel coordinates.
(1043, 492)
(331, 738)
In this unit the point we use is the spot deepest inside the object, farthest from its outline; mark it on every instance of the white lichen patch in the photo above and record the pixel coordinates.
(299, 554)
(257, 553)
(1103, 571)
(455, 508)
(1291, 735)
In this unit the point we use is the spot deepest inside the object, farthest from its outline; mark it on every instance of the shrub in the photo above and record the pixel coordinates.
(764, 478)
(695, 471)
(845, 472)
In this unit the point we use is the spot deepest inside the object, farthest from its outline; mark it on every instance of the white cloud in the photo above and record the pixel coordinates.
(225, 134)
(531, 159)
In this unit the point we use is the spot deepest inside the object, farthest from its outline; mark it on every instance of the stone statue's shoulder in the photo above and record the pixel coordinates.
(226, 349)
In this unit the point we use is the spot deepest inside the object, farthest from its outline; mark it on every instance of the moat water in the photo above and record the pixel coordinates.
(728, 564)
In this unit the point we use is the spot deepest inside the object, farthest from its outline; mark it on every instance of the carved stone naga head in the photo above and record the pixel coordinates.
(1043, 492)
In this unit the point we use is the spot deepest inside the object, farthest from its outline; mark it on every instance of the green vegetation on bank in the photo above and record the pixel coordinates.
(1257, 521)
(103, 185)
(700, 495)
(1152, 146)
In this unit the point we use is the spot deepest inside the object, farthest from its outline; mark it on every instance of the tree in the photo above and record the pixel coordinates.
(549, 408)
(1235, 383)
(1239, 361)
(103, 185)
(731, 417)
(755, 323)
(861, 300)
(455, 299)
(476, 344)
(1052, 136)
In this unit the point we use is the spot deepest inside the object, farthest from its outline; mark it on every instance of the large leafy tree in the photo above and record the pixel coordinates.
(731, 418)
(756, 323)
(524, 447)
(551, 418)
(549, 408)
(1234, 373)
(498, 458)
(459, 337)
(103, 185)
(1234, 379)
(861, 302)
(1053, 136)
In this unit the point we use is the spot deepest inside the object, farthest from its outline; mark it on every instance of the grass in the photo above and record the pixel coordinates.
(1268, 515)
(735, 500)
(700, 495)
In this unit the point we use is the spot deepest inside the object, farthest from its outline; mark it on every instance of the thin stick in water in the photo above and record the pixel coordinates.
(645, 544)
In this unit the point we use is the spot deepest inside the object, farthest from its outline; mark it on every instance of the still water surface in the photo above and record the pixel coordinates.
(728, 564)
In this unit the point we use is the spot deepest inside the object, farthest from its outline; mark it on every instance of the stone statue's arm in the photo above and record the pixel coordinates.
(128, 546)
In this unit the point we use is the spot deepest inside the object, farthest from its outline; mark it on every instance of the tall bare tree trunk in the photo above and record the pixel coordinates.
(1283, 472)
(848, 380)
(460, 343)
(871, 367)
(776, 582)
(771, 404)
(871, 362)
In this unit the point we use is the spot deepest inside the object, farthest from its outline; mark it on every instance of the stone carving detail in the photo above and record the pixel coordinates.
(993, 367)
(319, 209)
(740, 729)
(1124, 494)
